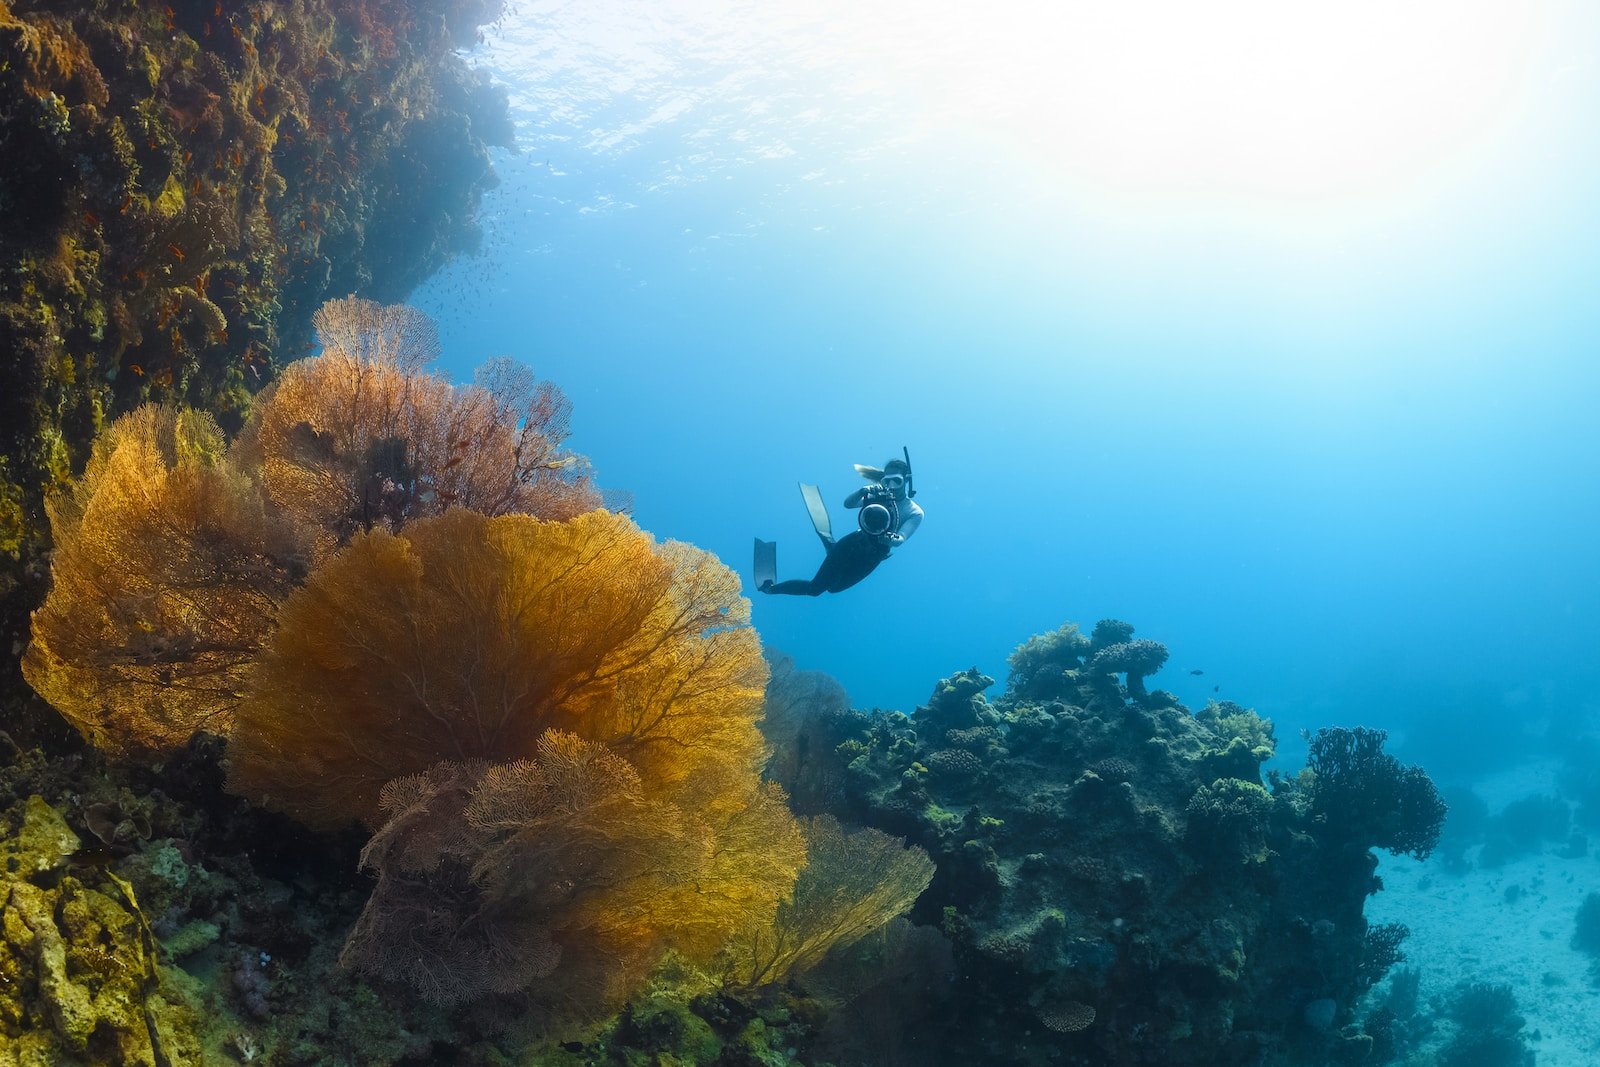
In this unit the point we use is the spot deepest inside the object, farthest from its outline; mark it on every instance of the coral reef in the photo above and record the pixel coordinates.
(184, 185)
(1119, 882)
(398, 603)
(580, 843)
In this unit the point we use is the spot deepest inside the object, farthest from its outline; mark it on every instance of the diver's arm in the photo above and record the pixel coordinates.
(855, 499)
(908, 525)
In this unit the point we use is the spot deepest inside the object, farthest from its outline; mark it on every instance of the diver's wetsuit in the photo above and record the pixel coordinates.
(849, 559)
(856, 554)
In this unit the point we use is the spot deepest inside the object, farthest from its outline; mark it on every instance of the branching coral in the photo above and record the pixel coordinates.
(1362, 794)
(1380, 951)
(168, 570)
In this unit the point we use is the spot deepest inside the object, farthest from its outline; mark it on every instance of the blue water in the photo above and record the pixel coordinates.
(1332, 439)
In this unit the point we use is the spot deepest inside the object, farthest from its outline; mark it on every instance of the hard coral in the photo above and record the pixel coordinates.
(957, 703)
(1135, 659)
(79, 978)
(1228, 820)
(1366, 797)
(956, 764)
(1040, 664)
(1127, 859)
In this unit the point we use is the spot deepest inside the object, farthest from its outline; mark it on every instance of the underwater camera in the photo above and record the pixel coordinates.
(877, 515)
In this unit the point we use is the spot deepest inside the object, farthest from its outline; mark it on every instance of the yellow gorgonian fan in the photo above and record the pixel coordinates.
(167, 570)
(467, 656)
(467, 637)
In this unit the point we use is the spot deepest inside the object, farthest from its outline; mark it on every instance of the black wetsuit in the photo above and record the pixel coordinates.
(848, 560)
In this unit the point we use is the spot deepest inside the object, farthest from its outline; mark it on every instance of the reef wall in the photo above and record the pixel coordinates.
(183, 185)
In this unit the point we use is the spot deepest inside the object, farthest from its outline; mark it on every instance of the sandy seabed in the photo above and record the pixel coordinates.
(1464, 927)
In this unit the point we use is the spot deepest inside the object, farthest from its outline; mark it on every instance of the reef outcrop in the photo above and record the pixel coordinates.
(1121, 883)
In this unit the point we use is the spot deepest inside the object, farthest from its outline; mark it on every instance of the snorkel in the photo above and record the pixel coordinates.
(905, 489)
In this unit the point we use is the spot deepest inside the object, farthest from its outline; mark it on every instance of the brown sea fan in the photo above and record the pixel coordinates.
(362, 437)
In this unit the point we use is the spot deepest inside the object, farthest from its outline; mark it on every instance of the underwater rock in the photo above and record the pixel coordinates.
(81, 984)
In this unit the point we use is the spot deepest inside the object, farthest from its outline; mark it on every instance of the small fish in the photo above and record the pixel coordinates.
(92, 857)
(1197, 672)
(1216, 689)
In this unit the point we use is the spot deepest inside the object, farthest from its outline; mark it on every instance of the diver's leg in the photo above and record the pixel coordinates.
(819, 583)
(854, 557)
(795, 587)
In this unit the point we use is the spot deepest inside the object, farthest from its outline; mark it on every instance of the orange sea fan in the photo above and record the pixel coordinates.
(362, 437)
(551, 726)
(167, 571)
(466, 637)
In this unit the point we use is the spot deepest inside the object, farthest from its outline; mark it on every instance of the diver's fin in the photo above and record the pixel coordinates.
(818, 510)
(766, 569)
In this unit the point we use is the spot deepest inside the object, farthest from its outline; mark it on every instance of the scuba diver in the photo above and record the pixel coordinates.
(887, 517)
